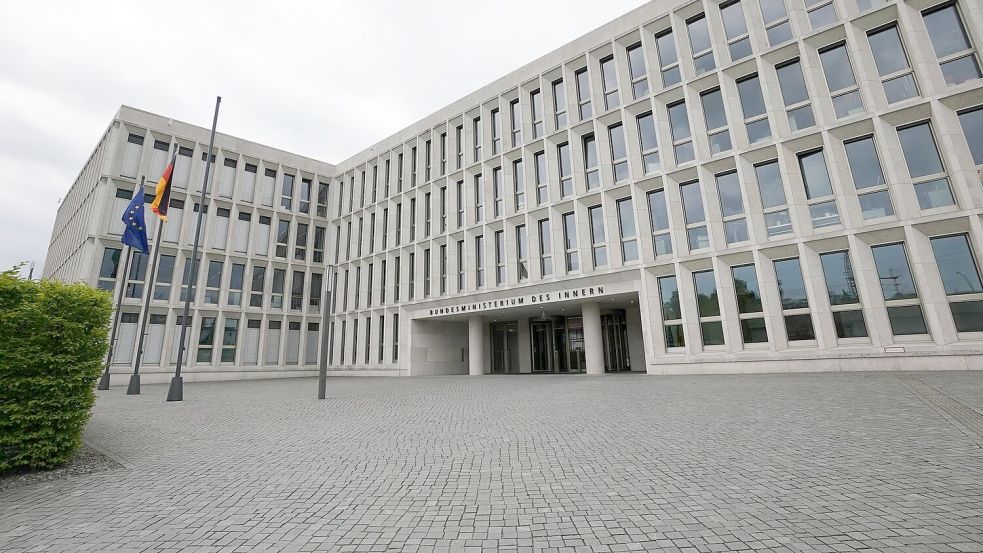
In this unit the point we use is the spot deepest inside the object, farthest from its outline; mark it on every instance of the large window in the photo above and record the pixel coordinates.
(749, 308)
(545, 247)
(479, 199)
(619, 152)
(479, 261)
(795, 301)
(772, 190)
(206, 340)
(542, 185)
(927, 172)
(584, 94)
(496, 117)
(559, 104)
(499, 257)
(708, 308)
(572, 256)
(819, 189)
(821, 13)
(626, 227)
(898, 289)
(536, 102)
(566, 169)
(609, 83)
(672, 313)
(648, 142)
(521, 253)
(598, 240)
(591, 172)
(753, 107)
(659, 218)
(682, 138)
(868, 179)
(213, 282)
(716, 121)
(777, 25)
(519, 184)
(952, 45)
(798, 106)
(972, 124)
(287, 192)
(636, 70)
(732, 207)
(844, 297)
(699, 40)
(961, 281)
(896, 75)
(515, 117)
(735, 27)
(696, 228)
(840, 81)
(108, 268)
(498, 193)
(668, 58)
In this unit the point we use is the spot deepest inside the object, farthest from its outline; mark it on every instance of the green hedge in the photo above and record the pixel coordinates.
(52, 345)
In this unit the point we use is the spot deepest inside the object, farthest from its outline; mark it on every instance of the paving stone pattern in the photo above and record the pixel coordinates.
(811, 462)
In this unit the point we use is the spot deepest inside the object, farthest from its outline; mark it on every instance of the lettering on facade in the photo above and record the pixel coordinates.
(545, 297)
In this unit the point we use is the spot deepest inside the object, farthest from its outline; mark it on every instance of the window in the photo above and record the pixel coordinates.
(476, 135)
(382, 335)
(412, 166)
(536, 102)
(599, 248)
(542, 190)
(412, 276)
(559, 104)
(459, 145)
(443, 212)
(382, 283)
(375, 183)
(699, 40)
(227, 181)
(461, 276)
(753, 107)
(187, 278)
(696, 229)
(131, 156)
(395, 337)
(479, 199)
(399, 224)
(521, 253)
(795, 302)
(385, 190)
(496, 117)
(297, 290)
(672, 313)
(668, 58)
(276, 296)
(443, 159)
(368, 285)
(648, 142)
(341, 345)
(499, 257)
(583, 94)
(626, 227)
(865, 5)
(230, 336)
(591, 172)
(426, 272)
(545, 247)
(570, 242)
(821, 13)
(844, 298)
(479, 261)
(659, 217)
(282, 238)
(840, 81)
(777, 24)
(868, 179)
(287, 192)
(892, 64)
(300, 243)
(443, 269)
(348, 241)
(165, 275)
(137, 275)
(460, 204)
(385, 231)
(898, 288)
(305, 195)
(412, 217)
(609, 83)
(961, 281)
(772, 190)
(319, 238)
(334, 292)
(519, 184)
(682, 140)
(399, 172)
(749, 309)
(259, 283)
(735, 27)
(515, 115)
(972, 124)
(214, 282)
(952, 45)
(732, 207)
(716, 121)
(819, 189)
(798, 106)
(427, 215)
(498, 191)
(235, 284)
(619, 152)
(708, 308)
(927, 172)
(206, 340)
(314, 299)
(344, 293)
(636, 70)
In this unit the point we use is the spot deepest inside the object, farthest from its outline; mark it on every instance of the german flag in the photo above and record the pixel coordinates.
(163, 194)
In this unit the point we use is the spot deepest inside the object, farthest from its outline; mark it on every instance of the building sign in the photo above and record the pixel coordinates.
(528, 299)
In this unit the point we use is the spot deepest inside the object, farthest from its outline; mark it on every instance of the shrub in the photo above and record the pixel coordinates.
(52, 344)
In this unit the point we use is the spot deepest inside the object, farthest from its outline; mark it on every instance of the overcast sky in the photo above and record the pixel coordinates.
(321, 79)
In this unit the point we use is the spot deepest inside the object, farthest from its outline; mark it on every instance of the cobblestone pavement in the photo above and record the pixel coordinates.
(811, 462)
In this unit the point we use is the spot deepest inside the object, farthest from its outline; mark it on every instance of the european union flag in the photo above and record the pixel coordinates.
(135, 234)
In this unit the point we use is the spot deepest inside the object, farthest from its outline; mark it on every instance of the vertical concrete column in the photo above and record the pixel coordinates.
(593, 344)
(476, 346)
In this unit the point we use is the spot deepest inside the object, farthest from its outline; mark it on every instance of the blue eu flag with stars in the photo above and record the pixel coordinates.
(135, 234)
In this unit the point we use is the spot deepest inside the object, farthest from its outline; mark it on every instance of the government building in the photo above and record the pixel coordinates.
(695, 187)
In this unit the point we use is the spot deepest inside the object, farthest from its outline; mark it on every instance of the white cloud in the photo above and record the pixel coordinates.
(321, 79)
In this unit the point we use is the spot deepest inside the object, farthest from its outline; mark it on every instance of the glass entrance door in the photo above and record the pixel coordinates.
(505, 340)
(542, 352)
(614, 331)
(575, 345)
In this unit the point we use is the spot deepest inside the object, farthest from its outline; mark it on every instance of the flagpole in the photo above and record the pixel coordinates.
(134, 386)
(176, 391)
(104, 381)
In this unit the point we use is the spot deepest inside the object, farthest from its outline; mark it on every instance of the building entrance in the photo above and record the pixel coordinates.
(558, 345)
(505, 340)
(614, 332)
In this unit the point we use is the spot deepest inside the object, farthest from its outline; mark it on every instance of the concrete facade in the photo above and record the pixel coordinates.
(761, 186)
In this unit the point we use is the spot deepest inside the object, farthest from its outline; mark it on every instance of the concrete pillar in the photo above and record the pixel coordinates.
(593, 343)
(476, 346)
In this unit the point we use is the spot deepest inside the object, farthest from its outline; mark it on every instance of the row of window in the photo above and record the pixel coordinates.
(956, 264)
(954, 49)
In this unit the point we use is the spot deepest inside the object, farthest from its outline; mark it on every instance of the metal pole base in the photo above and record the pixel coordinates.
(104, 381)
(134, 388)
(176, 393)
